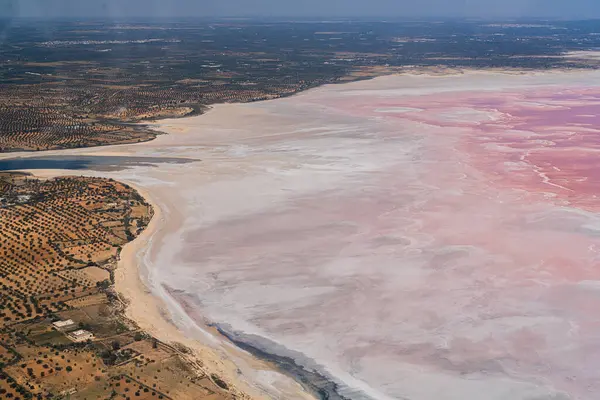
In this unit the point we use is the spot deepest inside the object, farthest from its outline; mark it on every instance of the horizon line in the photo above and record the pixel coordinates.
(315, 18)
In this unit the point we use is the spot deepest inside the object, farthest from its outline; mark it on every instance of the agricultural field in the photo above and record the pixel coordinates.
(52, 233)
(59, 242)
(78, 84)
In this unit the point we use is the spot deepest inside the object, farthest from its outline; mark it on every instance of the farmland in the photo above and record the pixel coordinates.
(59, 242)
(83, 83)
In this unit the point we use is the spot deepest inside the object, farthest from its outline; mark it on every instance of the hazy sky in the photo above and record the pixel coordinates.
(303, 8)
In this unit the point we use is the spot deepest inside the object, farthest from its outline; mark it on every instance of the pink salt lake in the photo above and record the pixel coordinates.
(409, 237)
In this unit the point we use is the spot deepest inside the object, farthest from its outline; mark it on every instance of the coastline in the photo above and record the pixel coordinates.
(150, 313)
(143, 307)
(149, 309)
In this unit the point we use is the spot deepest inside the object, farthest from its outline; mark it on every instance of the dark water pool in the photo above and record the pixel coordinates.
(98, 163)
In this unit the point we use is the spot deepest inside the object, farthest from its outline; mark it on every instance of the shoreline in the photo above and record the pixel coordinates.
(151, 314)
(149, 308)
(155, 124)
(321, 386)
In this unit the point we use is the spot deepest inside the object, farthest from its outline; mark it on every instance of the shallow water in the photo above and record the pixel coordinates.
(98, 163)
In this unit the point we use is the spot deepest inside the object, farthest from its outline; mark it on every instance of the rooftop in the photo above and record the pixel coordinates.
(62, 324)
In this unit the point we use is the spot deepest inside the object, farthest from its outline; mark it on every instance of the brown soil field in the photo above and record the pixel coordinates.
(60, 240)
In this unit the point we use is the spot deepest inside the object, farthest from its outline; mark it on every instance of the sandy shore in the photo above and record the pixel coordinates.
(151, 314)
(209, 354)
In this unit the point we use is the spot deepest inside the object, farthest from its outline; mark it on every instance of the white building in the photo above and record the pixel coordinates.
(63, 325)
(80, 335)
